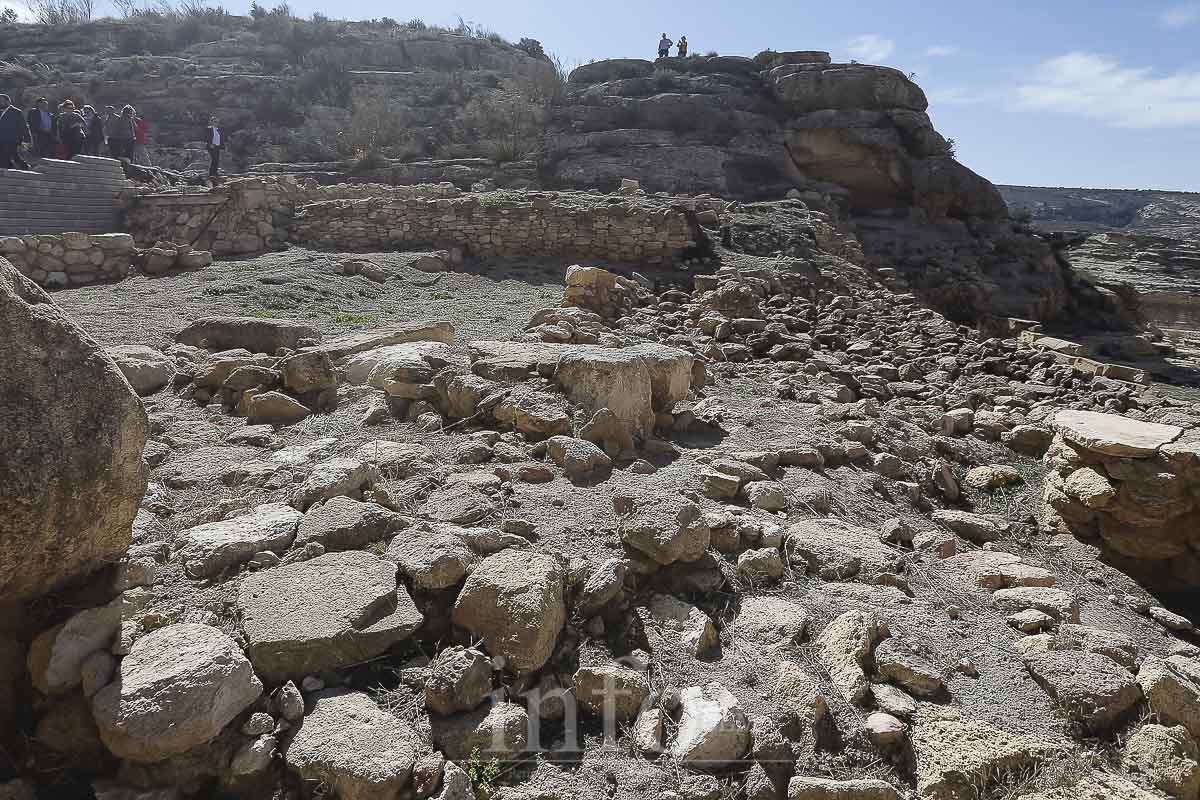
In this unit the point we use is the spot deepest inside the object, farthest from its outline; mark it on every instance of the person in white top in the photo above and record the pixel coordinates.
(213, 143)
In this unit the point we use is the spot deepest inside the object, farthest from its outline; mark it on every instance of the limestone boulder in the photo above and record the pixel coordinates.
(499, 731)
(514, 602)
(1172, 689)
(275, 408)
(667, 528)
(1114, 435)
(618, 380)
(609, 689)
(178, 688)
(146, 369)
(955, 755)
(771, 621)
(844, 646)
(342, 523)
(459, 680)
(432, 557)
(673, 625)
(805, 788)
(57, 656)
(349, 744)
(332, 611)
(71, 465)
(1090, 688)
(255, 334)
(580, 459)
(210, 549)
(713, 731)
(836, 551)
(1168, 757)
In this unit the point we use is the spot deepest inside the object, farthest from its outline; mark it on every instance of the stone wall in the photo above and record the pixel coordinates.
(70, 259)
(254, 214)
(503, 224)
(61, 196)
(1132, 487)
(244, 216)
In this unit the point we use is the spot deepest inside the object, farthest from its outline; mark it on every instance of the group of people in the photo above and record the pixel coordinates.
(664, 46)
(69, 131)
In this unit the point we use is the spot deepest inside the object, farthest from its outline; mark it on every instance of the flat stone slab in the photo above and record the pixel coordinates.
(331, 612)
(1090, 688)
(210, 549)
(1113, 435)
(398, 333)
(354, 747)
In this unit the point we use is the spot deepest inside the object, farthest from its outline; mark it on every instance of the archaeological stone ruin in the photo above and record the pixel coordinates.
(734, 442)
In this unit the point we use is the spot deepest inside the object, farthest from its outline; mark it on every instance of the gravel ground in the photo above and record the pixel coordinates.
(578, 522)
(307, 285)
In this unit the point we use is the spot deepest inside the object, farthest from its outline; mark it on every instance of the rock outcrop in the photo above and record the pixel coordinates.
(71, 463)
(760, 127)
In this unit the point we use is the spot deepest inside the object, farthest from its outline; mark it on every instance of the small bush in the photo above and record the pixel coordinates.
(532, 47)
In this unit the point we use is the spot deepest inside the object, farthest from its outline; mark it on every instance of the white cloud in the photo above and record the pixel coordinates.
(1100, 88)
(1180, 16)
(940, 50)
(870, 47)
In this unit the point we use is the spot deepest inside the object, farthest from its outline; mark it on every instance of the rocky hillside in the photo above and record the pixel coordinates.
(1147, 212)
(285, 89)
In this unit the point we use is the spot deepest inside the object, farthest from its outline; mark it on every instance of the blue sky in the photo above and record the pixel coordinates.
(1098, 93)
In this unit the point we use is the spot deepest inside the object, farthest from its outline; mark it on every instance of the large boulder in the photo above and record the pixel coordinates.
(146, 369)
(1114, 435)
(714, 730)
(352, 746)
(1090, 688)
(250, 333)
(330, 612)
(210, 549)
(666, 527)
(178, 688)
(618, 380)
(514, 602)
(71, 459)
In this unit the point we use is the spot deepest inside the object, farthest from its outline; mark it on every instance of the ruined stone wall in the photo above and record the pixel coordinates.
(1132, 487)
(502, 224)
(70, 259)
(244, 216)
(255, 214)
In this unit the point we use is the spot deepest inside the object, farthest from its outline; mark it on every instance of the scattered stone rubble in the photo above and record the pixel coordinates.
(780, 529)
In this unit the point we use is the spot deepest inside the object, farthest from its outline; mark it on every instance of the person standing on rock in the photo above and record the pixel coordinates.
(72, 130)
(664, 46)
(213, 142)
(141, 150)
(120, 135)
(41, 126)
(683, 47)
(14, 132)
(95, 131)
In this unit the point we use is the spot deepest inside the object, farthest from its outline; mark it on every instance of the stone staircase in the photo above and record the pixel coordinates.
(56, 196)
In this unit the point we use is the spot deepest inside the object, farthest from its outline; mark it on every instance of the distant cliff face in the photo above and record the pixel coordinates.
(756, 128)
(1132, 211)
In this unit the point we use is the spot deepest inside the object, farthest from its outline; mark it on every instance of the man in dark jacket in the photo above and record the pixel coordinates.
(214, 142)
(42, 126)
(14, 132)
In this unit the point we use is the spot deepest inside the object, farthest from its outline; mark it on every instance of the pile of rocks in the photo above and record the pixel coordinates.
(70, 259)
(1132, 486)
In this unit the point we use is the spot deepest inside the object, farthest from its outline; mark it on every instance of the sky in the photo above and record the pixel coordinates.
(1093, 93)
